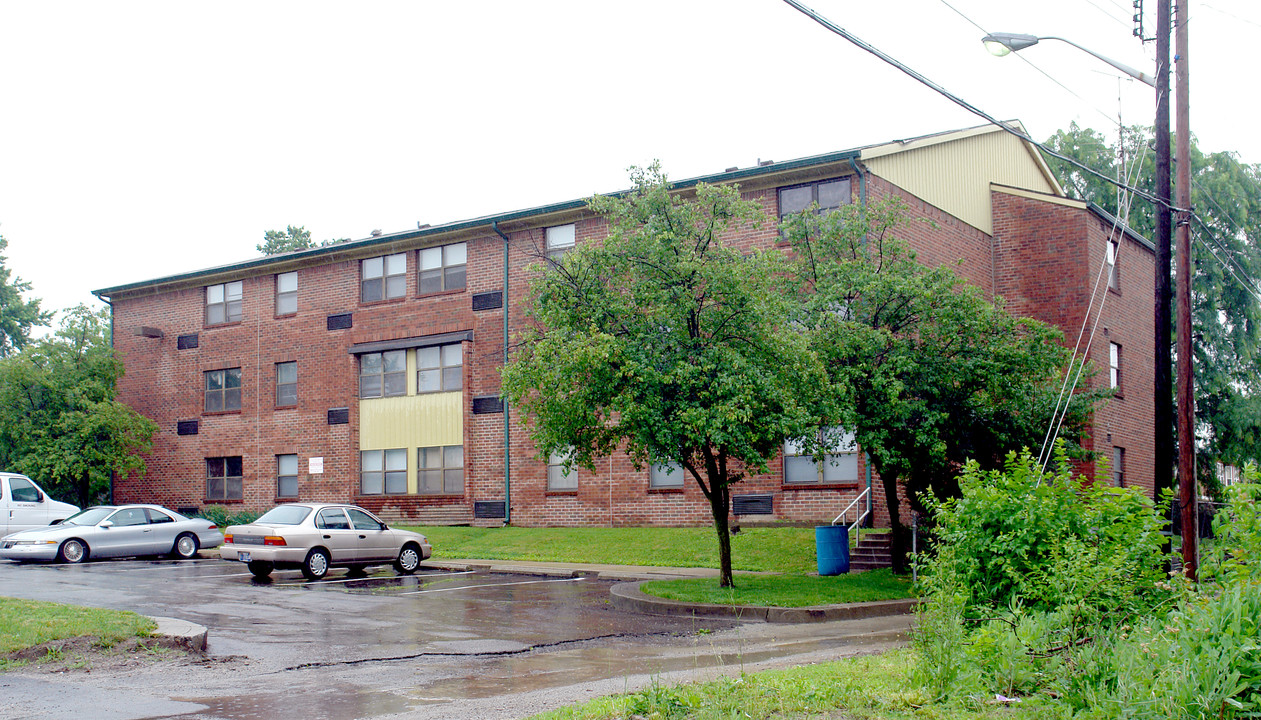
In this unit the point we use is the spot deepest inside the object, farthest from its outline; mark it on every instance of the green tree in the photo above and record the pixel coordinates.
(668, 343)
(17, 316)
(291, 239)
(59, 420)
(1226, 249)
(928, 372)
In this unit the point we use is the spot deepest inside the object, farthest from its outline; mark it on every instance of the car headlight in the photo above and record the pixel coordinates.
(34, 542)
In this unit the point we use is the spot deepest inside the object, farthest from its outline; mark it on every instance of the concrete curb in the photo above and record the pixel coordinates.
(173, 632)
(628, 596)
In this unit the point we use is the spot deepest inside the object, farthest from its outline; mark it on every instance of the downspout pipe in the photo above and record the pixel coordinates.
(111, 348)
(494, 225)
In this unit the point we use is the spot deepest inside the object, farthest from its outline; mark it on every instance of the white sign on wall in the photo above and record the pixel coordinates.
(316, 466)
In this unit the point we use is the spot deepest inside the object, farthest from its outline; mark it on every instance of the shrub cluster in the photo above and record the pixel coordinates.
(1053, 590)
(221, 516)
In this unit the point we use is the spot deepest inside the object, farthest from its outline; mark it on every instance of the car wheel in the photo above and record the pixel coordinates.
(408, 559)
(315, 567)
(259, 569)
(185, 546)
(72, 551)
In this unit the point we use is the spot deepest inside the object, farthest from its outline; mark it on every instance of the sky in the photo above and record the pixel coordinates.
(146, 139)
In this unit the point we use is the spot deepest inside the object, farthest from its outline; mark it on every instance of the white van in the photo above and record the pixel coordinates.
(23, 505)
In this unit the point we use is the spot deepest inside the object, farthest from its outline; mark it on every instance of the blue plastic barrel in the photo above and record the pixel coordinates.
(831, 547)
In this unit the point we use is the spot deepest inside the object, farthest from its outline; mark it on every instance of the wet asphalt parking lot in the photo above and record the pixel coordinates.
(438, 644)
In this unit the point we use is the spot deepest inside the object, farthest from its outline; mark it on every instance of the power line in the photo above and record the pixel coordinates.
(967, 105)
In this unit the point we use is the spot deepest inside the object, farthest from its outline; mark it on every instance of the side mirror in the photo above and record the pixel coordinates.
(107, 524)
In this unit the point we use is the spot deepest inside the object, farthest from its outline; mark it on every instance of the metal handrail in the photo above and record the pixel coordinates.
(860, 517)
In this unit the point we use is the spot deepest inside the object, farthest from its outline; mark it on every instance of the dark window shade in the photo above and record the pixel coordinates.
(341, 321)
(752, 504)
(488, 300)
(489, 509)
(488, 405)
(186, 342)
(186, 427)
(338, 416)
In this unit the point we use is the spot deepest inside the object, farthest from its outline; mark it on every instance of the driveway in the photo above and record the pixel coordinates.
(439, 644)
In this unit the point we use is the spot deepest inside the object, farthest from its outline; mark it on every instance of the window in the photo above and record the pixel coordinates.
(157, 517)
(383, 471)
(362, 520)
(1118, 466)
(332, 519)
(23, 490)
(223, 303)
(223, 478)
(558, 476)
(128, 517)
(829, 195)
(443, 268)
(223, 390)
(287, 293)
(1114, 282)
(383, 278)
(1114, 366)
(665, 475)
(441, 469)
(840, 464)
(286, 384)
(440, 368)
(287, 476)
(559, 240)
(383, 374)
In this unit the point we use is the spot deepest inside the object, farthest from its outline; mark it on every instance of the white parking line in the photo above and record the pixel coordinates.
(370, 577)
(489, 585)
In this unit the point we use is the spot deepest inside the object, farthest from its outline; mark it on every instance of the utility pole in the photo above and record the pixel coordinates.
(1163, 415)
(1186, 398)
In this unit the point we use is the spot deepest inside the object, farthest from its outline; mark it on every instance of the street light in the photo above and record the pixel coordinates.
(1001, 44)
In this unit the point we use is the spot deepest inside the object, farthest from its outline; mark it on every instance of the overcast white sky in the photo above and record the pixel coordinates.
(139, 139)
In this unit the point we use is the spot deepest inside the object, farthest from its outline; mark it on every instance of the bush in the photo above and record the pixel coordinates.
(221, 516)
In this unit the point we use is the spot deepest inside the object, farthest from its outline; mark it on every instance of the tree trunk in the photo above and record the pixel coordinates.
(720, 505)
(898, 547)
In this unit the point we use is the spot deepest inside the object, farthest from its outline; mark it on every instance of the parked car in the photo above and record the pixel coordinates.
(23, 505)
(319, 536)
(105, 531)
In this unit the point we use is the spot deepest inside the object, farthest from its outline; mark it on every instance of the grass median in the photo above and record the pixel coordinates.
(31, 624)
(788, 552)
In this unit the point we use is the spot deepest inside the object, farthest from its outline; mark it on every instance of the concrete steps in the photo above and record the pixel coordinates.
(872, 552)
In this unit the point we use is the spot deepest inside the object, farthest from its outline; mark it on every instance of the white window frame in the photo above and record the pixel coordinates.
(1114, 367)
(447, 375)
(440, 470)
(840, 459)
(286, 294)
(560, 240)
(224, 302)
(560, 478)
(447, 264)
(286, 475)
(386, 273)
(666, 476)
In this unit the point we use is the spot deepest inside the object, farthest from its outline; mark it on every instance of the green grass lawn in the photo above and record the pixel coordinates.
(28, 623)
(786, 590)
(769, 549)
(864, 688)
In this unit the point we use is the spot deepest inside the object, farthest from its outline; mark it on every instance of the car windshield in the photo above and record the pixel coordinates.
(91, 516)
(284, 515)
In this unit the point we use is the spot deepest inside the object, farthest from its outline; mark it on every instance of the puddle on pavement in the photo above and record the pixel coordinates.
(310, 704)
(538, 671)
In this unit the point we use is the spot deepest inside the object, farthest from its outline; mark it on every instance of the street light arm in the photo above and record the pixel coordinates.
(1136, 74)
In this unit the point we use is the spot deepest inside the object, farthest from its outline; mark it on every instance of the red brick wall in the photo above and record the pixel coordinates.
(1039, 260)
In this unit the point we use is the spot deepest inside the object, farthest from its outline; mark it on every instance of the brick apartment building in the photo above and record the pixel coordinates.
(368, 371)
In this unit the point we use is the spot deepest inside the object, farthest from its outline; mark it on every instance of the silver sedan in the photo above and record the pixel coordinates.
(318, 536)
(113, 531)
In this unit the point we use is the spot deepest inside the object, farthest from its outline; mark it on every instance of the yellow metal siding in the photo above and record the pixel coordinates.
(956, 175)
(412, 421)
